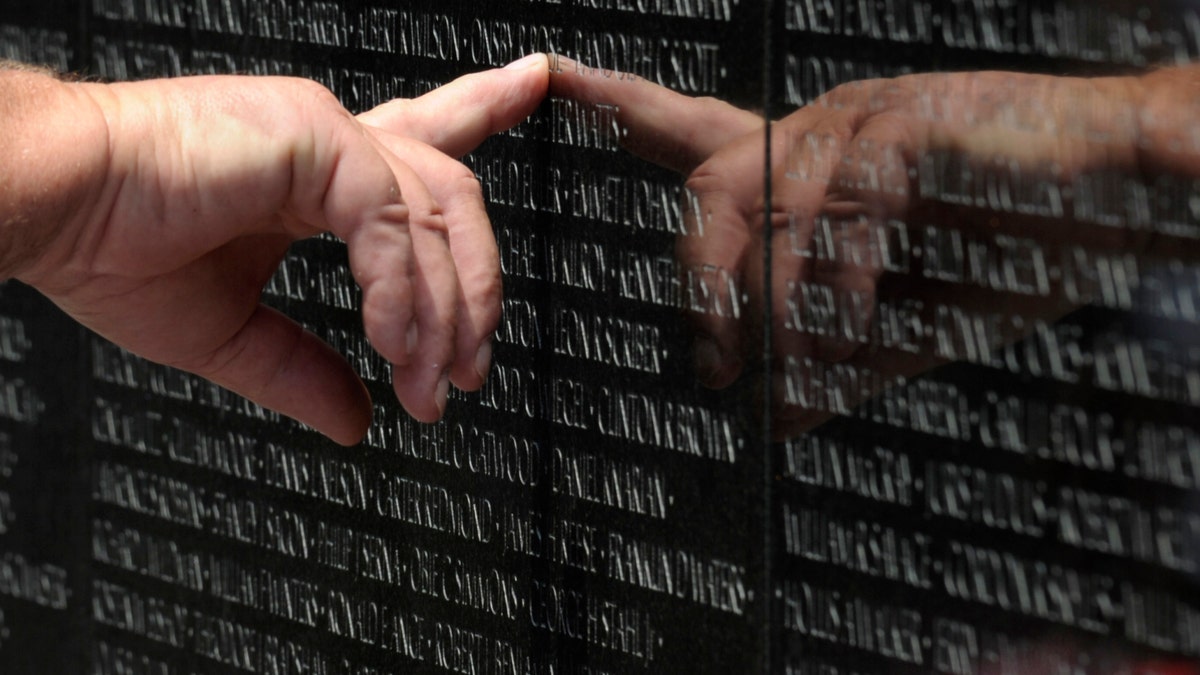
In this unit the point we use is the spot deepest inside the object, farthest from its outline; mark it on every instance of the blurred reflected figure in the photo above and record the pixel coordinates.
(915, 221)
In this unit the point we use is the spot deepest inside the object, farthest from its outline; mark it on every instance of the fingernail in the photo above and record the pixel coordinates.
(442, 391)
(411, 338)
(707, 357)
(526, 62)
(483, 359)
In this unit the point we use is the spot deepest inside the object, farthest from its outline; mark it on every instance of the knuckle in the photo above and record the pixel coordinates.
(429, 219)
(318, 97)
(464, 183)
(705, 179)
(400, 107)
(489, 296)
(848, 94)
(316, 90)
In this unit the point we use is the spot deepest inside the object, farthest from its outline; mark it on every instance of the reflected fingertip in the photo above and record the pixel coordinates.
(556, 62)
(442, 393)
(483, 359)
(717, 367)
(832, 349)
(528, 62)
(706, 356)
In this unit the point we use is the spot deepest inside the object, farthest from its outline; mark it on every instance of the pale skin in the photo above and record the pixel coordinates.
(155, 212)
(851, 156)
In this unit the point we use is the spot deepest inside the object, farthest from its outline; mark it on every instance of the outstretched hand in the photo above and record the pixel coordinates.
(207, 182)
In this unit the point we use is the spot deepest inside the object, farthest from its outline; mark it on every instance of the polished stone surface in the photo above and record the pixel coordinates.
(976, 450)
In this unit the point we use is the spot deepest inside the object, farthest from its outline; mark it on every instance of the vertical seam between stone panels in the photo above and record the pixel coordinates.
(767, 597)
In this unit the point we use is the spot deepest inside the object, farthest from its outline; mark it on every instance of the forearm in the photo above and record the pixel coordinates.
(53, 159)
(1137, 134)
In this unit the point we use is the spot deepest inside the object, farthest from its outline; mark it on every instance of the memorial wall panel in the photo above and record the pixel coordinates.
(902, 382)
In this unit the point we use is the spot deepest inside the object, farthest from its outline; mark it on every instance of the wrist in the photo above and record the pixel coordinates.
(55, 145)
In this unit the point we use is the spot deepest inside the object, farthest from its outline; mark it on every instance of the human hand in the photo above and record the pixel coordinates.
(208, 180)
(863, 182)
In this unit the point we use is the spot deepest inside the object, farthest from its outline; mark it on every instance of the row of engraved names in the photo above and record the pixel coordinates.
(437, 579)
(519, 534)
(1162, 536)
(1057, 30)
(940, 408)
(1004, 184)
(35, 45)
(577, 333)
(687, 426)
(273, 17)
(1166, 367)
(951, 645)
(1111, 200)
(993, 417)
(1060, 29)
(396, 631)
(1033, 430)
(1120, 613)
(992, 262)
(687, 65)
(121, 59)
(605, 479)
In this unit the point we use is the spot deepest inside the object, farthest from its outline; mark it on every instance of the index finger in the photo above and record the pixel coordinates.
(457, 117)
(659, 125)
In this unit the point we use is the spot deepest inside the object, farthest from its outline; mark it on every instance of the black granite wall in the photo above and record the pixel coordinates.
(1026, 507)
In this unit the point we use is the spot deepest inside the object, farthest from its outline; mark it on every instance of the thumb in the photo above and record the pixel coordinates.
(457, 117)
(277, 364)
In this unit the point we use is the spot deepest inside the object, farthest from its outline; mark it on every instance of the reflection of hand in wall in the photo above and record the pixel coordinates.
(912, 221)
(154, 212)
